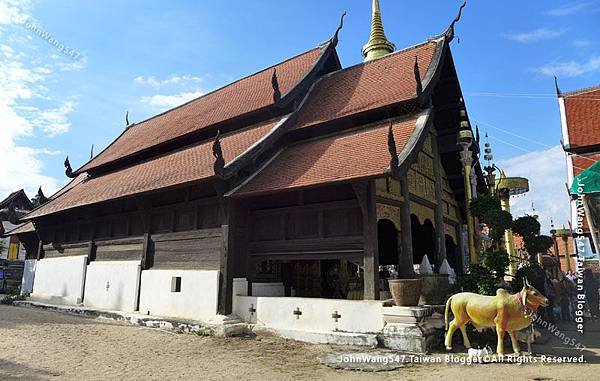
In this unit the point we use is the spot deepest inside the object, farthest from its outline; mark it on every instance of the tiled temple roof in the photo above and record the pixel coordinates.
(245, 96)
(582, 109)
(350, 155)
(183, 166)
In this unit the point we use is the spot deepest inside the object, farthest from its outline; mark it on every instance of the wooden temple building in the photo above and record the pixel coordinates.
(305, 174)
(16, 246)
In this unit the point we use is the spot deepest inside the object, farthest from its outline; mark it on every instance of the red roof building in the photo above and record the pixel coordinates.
(580, 123)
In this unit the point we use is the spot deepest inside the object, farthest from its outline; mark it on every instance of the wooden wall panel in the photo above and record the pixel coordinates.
(65, 250)
(342, 222)
(198, 250)
(126, 249)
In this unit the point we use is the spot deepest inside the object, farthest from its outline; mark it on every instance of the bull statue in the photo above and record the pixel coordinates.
(505, 312)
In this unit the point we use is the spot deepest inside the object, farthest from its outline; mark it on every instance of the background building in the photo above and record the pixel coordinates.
(580, 122)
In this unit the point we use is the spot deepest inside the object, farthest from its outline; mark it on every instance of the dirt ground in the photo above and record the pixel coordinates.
(41, 345)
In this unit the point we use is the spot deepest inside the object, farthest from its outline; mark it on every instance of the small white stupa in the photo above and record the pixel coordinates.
(445, 268)
(425, 267)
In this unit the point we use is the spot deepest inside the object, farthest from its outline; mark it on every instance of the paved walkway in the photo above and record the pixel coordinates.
(41, 345)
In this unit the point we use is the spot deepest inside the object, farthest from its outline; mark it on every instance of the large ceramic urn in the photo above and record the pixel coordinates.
(406, 292)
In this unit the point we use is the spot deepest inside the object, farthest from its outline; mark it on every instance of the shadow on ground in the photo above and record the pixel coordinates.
(13, 371)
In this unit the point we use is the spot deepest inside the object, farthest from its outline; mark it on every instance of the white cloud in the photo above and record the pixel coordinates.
(165, 102)
(547, 174)
(534, 35)
(570, 9)
(55, 121)
(13, 12)
(180, 80)
(571, 68)
(26, 104)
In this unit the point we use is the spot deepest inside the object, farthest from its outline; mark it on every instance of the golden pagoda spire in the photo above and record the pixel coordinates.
(378, 44)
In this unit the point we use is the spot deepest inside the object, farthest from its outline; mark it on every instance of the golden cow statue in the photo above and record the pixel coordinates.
(505, 312)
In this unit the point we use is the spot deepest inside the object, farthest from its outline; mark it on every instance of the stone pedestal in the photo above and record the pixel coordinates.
(412, 329)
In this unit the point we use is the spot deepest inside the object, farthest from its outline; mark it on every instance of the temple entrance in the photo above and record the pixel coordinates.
(452, 253)
(387, 240)
(326, 278)
(423, 240)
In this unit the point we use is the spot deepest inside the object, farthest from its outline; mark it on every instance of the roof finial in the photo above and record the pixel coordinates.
(335, 38)
(68, 169)
(275, 84)
(92, 152)
(219, 164)
(558, 92)
(394, 161)
(418, 77)
(41, 198)
(378, 44)
(450, 31)
(126, 118)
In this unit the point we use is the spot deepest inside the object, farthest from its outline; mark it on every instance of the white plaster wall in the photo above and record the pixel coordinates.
(28, 275)
(359, 316)
(241, 308)
(197, 300)
(240, 286)
(60, 280)
(112, 285)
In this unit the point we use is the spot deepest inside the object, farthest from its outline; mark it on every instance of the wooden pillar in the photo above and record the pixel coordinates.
(226, 262)
(405, 268)
(439, 207)
(460, 248)
(146, 259)
(365, 193)
(91, 251)
(40, 251)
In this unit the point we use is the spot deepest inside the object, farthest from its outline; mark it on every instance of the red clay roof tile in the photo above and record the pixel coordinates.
(366, 86)
(583, 117)
(238, 98)
(179, 167)
(349, 155)
(581, 163)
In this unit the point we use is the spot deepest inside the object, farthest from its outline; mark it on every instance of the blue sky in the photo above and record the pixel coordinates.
(62, 93)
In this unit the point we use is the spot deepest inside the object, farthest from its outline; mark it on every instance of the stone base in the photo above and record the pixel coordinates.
(219, 326)
(412, 329)
(337, 338)
(57, 300)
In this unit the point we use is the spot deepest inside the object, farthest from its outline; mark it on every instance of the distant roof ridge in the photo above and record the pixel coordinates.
(12, 196)
(581, 91)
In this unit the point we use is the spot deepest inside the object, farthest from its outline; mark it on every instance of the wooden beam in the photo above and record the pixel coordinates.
(439, 207)
(365, 193)
(91, 251)
(146, 255)
(227, 257)
(40, 251)
(405, 260)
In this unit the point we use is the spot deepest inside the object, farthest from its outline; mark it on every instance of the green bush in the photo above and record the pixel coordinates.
(480, 280)
(496, 262)
(498, 221)
(484, 203)
(10, 298)
(527, 227)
